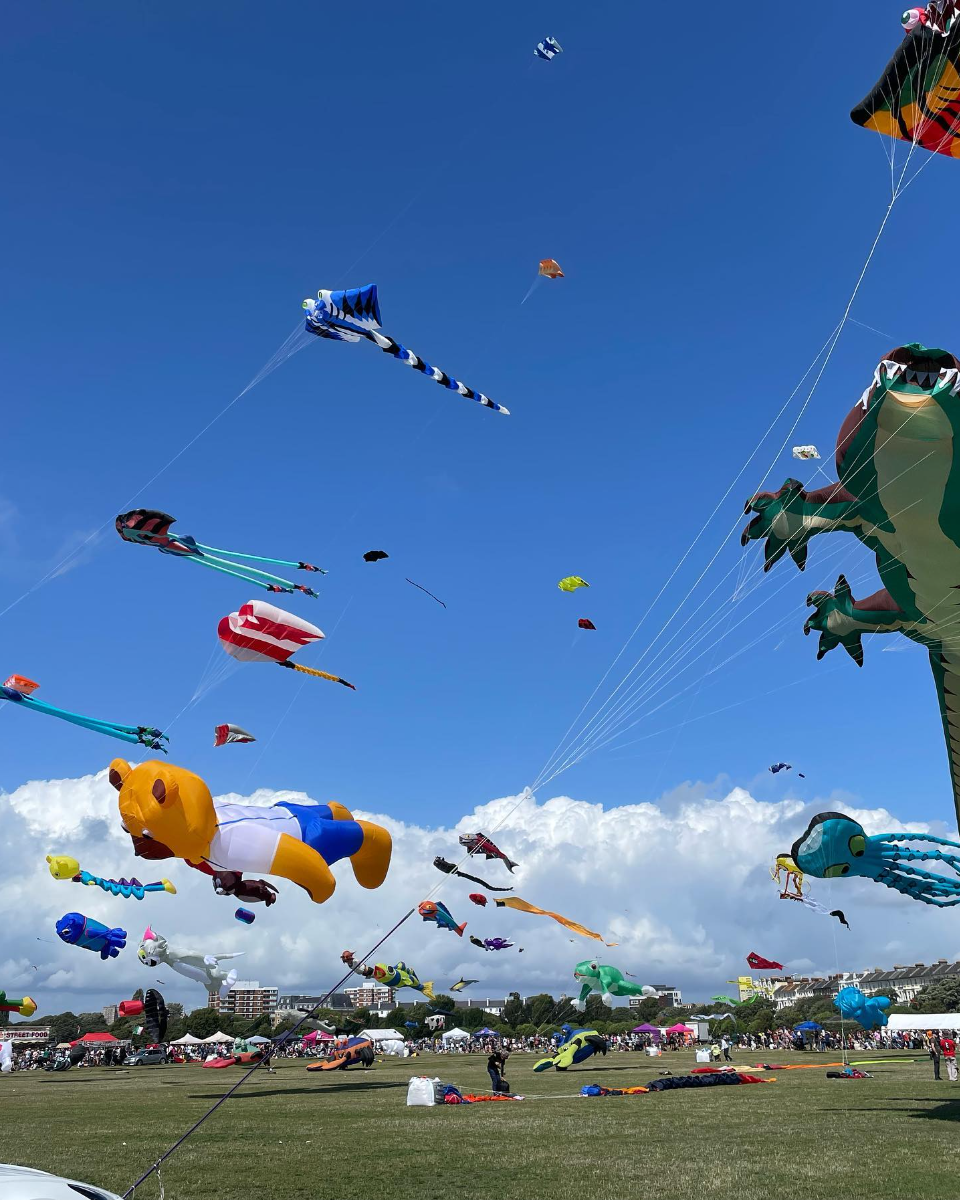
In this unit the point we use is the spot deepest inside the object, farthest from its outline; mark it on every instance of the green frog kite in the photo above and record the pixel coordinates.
(594, 977)
(899, 493)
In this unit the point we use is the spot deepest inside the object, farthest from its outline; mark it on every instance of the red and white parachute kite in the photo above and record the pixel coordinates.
(261, 632)
(222, 734)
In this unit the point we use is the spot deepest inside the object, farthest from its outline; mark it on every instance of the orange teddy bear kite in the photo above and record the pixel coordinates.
(162, 802)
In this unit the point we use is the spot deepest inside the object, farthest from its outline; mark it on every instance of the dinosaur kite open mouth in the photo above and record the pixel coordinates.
(913, 374)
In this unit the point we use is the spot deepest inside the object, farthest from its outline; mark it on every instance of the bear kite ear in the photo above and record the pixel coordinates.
(119, 770)
(165, 787)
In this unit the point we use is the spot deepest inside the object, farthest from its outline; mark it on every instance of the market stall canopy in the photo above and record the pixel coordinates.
(455, 1035)
(187, 1040)
(217, 1038)
(918, 1022)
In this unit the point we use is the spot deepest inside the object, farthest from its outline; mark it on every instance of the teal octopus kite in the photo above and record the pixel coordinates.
(608, 981)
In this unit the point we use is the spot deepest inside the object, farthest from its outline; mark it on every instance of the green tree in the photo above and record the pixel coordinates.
(472, 1019)
(647, 1011)
(202, 1022)
(63, 1026)
(596, 1010)
(941, 997)
(515, 1012)
(542, 1009)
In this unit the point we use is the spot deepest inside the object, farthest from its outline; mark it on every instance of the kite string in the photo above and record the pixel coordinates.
(155, 1167)
(830, 347)
(673, 573)
(636, 689)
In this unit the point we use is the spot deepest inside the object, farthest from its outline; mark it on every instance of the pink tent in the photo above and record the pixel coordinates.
(311, 1039)
(678, 1028)
(90, 1039)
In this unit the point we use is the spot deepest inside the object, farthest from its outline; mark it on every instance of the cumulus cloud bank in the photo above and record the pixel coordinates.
(682, 885)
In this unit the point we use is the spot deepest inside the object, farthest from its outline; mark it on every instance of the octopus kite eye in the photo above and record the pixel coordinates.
(858, 845)
(836, 871)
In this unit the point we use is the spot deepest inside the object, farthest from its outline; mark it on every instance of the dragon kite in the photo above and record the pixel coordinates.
(898, 492)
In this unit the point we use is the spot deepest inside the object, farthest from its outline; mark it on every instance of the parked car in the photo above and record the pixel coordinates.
(147, 1056)
(23, 1183)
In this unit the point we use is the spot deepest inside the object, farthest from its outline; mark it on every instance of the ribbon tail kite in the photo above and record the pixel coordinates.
(349, 314)
(149, 527)
(17, 690)
(573, 926)
(450, 868)
(260, 632)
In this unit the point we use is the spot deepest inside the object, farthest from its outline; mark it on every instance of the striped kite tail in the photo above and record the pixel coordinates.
(402, 354)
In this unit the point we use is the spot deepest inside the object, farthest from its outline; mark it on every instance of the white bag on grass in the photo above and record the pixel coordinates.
(420, 1090)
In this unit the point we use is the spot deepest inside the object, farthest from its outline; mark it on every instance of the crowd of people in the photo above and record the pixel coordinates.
(940, 1047)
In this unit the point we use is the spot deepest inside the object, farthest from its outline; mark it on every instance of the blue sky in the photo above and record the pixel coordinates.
(176, 180)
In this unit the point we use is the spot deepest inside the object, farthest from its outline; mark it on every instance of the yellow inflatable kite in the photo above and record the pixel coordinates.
(173, 807)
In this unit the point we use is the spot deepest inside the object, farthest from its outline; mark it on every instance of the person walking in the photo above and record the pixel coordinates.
(725, 1047)
(935, 1051)
(949, 1046)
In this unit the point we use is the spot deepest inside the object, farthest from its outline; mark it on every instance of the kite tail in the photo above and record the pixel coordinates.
(319, 674)
(270, 583)
(482, 883)
(123, 733)
(277, 562)
(402, 354)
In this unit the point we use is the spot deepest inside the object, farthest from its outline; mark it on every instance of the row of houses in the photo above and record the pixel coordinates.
(901, 983)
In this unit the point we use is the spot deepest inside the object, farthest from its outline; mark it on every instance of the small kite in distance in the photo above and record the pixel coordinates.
(375, 555)
(776, 768)
(461, 984)
(757, 963)
(222, 734)
(806, 452)
(585, 623)
(478, 898)
(570, 583)
(479, 843)
(548, 48)
(550, 269)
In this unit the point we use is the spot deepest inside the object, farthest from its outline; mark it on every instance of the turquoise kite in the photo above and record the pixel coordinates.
(18, 691)
(594, 977)
(834, 846)
(149, 527)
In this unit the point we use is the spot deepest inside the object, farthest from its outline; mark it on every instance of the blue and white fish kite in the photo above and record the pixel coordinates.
(835, 846)
(548, 48)
(350, 314)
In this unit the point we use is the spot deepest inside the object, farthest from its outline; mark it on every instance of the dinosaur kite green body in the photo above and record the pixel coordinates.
(899, 493)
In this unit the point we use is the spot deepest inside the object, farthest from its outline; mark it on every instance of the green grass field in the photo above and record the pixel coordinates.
(348, 1135)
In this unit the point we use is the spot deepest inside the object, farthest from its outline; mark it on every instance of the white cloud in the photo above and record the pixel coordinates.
(682, 885)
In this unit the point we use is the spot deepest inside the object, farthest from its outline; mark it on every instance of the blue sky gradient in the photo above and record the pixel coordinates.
(178, 178)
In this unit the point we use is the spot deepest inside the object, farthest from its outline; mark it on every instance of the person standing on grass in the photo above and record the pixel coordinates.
(725, 1047)
(496, 1064)
(949, 1046)
(935, 1051)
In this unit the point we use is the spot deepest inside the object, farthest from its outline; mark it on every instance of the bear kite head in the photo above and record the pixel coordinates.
(164, 802)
